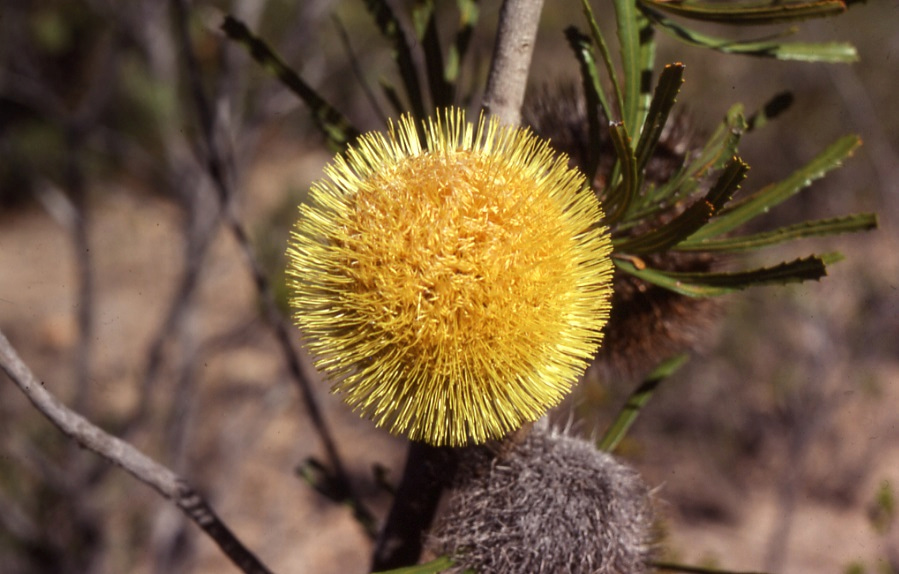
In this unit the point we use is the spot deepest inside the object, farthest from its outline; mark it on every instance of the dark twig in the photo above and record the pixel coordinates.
(428, 471)
(123, 454)
(217, 171)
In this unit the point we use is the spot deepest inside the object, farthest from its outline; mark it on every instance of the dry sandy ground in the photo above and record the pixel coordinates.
(248, 429)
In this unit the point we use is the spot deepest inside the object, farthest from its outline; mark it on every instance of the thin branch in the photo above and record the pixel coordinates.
(516, 35)
(429, 470)
(123, 454)
(217, 170)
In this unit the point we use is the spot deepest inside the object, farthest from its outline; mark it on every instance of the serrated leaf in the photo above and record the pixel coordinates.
(600, 42)
(767, 47)
(821, 227)
(670, 81)
(774, 194)
(337, 128)
(627, 20)
(433, 567)
(712, 284)
(777, 105)
(637, 400)
(619, 201)
(692, 218)
(593, 96)
(647, 63)
(750, 13)
(719, 148)
(390, 28)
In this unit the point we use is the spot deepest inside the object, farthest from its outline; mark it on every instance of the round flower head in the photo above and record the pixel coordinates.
(452, 288)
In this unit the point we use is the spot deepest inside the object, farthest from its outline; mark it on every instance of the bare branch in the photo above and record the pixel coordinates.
(516, 35)
(123, 454)
(216, 165)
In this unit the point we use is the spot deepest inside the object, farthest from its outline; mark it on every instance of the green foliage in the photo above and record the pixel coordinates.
(433, 567)
(638, 399)
(647, 219)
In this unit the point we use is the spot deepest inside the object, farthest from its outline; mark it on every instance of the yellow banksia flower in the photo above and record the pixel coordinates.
(452, 288)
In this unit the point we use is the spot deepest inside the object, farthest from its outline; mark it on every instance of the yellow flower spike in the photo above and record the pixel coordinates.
(452, 289)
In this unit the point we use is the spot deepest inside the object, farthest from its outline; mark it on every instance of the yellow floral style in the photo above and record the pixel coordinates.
(452, 288)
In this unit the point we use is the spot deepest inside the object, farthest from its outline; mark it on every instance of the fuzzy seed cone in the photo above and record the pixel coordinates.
(648, 323)
(552, 504)
(452, 288)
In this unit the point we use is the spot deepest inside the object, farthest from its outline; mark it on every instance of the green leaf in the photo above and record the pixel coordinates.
(673, 567)
(607, 61)
(777, 105)
(433, 567)
(767, 47)
(714, 284)
(750, 13)
(638, 399)
(647, 64)
(337, 128)
(468, 17)
(392, 31)
(593, 94)
(719, 148)
(442, 91)
(774, 194)
(628, 20)
(692, 218)
(821, 227)
(619, 201)
(663, 99)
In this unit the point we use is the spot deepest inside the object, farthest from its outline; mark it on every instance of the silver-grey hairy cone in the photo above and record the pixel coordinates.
(551, 504)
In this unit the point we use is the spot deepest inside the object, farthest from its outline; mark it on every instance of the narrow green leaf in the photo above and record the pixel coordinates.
(627, 21)
(433, 567)
(337, 128)
(468, 17)
(719, 148)
(600, 42)
(692, 218)
(594, 96)
(774, 194)
(647, 64)
(750, 13)
(619, 201)
(422, 11)
(768, 47)
(638, 399)
(821, 227)
(392, 31)
(714, 284)
(777, 105)
(442, 92)
(673, 567)
(663, 99)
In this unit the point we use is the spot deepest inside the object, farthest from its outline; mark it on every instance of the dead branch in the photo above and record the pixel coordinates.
(123, 454)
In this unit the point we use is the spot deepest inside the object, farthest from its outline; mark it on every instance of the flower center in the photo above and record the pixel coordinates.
(454, 250)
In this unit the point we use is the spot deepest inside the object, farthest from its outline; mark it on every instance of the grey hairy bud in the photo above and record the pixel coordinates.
(551, 504)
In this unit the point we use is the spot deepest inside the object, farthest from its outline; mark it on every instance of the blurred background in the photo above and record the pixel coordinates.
(776, 448)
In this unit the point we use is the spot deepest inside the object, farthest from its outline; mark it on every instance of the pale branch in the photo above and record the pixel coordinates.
(123, 454)
(516, 35)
